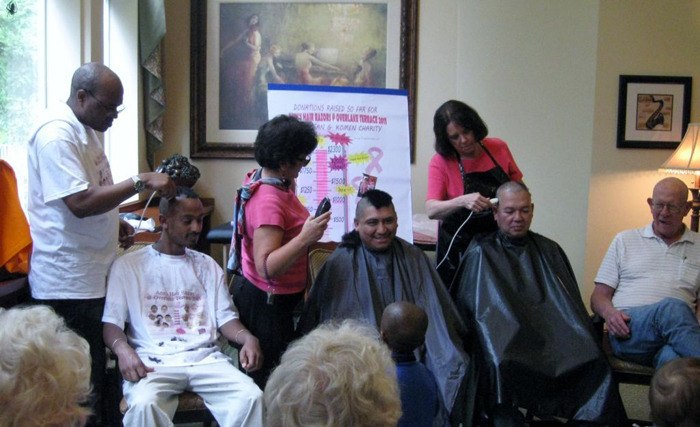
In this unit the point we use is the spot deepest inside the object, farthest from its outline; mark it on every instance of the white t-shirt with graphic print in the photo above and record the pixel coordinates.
(173, 304)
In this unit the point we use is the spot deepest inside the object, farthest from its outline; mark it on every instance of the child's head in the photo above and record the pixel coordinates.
(674, 394)
(403, 326)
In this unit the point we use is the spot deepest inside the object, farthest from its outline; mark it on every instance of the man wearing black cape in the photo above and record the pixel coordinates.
(373, 268)
(534, 345)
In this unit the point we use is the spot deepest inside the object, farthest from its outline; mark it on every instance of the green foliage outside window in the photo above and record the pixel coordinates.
(19, 41)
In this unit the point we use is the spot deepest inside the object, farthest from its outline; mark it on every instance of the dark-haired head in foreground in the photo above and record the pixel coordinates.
(403, 326)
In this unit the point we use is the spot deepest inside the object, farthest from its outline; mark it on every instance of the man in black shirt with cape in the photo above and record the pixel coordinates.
(373, 268)
(534, 345)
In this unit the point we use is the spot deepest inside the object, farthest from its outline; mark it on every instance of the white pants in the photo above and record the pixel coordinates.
(231, 396)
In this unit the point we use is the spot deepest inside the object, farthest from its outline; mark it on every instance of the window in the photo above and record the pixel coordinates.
(41, 45)
(21, 69)
(121, 55)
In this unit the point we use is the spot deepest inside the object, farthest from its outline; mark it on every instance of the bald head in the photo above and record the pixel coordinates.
(403, 326)
(669, 205)
(90, 77)
(512, 187)
(96, 94)
(672, 185)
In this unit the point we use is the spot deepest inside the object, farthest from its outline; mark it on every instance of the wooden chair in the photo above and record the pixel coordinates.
(623, 371)
(318, 253)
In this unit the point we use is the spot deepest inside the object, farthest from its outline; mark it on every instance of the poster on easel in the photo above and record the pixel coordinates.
(364, 143)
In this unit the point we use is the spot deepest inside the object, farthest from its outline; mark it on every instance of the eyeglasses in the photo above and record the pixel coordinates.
(674, 209)
(115, 108)
(305, 160)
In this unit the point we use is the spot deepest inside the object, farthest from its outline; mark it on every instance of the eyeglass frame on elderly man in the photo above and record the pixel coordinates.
(674, 209)
(117, 108)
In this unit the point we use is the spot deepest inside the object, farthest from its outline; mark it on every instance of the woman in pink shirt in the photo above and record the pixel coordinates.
(277, 231)
(462, 178)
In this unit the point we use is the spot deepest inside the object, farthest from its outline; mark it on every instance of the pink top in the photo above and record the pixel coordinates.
(445, 180)
(271, 206)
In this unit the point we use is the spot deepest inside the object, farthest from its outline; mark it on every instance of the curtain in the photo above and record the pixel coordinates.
(151, 33)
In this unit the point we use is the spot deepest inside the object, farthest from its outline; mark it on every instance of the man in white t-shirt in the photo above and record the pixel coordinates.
(175, 300)
(72, 208)
(647, 286)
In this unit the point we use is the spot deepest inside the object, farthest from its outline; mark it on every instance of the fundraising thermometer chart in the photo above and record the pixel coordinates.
(363, 143)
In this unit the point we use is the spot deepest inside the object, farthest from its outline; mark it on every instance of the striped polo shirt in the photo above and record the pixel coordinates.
(643, 269)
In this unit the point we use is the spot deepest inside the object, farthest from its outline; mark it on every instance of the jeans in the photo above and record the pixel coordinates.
(659, 333)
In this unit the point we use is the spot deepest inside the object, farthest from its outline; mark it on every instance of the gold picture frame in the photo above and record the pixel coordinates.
(218, 26)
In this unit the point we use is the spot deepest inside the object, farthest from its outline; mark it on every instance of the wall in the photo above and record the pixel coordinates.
(529, 69)
(543, 75)
(635, 37)
(533, 85)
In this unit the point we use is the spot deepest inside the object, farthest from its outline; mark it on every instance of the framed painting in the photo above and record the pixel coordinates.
(653, 111)
(238, 47)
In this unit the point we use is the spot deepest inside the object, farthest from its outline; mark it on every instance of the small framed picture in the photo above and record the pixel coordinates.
(368, 182)
(653, 111)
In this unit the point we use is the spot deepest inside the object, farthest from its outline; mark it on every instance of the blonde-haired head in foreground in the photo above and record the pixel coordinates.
(674, 394)
(44, 369)
(337, 375)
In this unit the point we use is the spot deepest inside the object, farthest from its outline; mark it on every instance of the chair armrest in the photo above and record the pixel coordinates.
(598, 326)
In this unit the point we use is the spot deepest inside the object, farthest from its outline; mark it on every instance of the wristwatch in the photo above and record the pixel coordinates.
(139, 185)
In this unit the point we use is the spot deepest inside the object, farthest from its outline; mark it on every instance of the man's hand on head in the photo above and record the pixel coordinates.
(161, 182)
